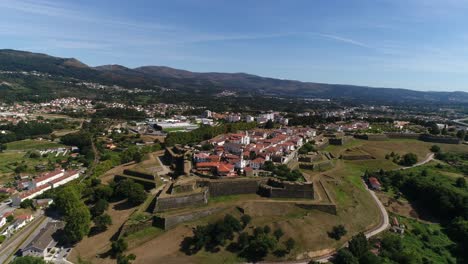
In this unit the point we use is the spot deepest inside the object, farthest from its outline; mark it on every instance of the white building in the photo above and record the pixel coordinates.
(44, 184)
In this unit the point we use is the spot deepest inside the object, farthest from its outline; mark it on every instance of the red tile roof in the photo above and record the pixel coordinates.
(48, 175)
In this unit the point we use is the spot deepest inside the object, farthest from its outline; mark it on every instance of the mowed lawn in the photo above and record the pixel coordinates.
(6, 161)
(32, 144)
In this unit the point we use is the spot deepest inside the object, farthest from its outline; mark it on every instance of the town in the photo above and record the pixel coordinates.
(186, 164)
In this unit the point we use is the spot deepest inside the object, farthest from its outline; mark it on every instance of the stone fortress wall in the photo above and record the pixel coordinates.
(275, 188)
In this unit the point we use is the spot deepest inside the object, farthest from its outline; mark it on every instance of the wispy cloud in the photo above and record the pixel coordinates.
(54, 9)
(345, 40)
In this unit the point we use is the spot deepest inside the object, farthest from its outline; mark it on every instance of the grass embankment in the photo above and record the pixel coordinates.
(31, 144)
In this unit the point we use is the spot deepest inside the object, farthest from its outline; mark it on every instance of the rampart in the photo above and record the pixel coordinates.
(439, 139)
(372, 137)
(222, 187)
(319, 166)
(168, 200)
(179, 158)
(356, 157)
(139, 174)
(147, 184)
(283, 189)
(167, 221)
(396, 135)
(339, 141)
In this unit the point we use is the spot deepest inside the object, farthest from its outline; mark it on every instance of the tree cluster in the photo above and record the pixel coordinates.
(230, 233)
(282, 171)
(130, 190)
(205, 132)
(76, 214)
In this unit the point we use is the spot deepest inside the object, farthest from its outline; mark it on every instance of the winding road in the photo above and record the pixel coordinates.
(375, 231)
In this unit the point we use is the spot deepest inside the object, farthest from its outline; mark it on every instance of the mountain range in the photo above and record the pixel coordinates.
(211, 83)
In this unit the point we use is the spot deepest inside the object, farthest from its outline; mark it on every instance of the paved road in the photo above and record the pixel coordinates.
(373, 232)
(428, 158)
(21, 238)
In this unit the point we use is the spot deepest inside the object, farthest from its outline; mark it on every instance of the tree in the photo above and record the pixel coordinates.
(138, 195)
(358, 245)
(242, 240)
(10, 218)
(3, 147)
(461, 134)
(290, 243)
(269, 124)
(344, 256)
(337, 232)
(77, 224)
(460, 182)
(28, 203)
(444, 131)
(123, 259)
(266, 229)
(102, 222)
(103, 192)
(246, 219)
(118, 247)
(133, 191)
(434, 128)
(435, 149)
(370, 258)
(278, 233)
(75, 213)
(258, 247)
(99, 208)
(409, 159)
(28, 260)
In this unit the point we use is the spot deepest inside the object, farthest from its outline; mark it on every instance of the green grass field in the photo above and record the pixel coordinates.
(6, 162)
(31, 144)
(427, 240)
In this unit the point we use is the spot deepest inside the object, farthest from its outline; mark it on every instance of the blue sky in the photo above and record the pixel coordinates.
(415, 44)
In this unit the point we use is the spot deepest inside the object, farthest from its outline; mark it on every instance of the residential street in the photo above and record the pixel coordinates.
(22, 238)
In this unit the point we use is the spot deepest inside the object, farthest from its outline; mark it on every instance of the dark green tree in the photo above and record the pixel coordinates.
(435, 149)
(337, 232)
(278, 233)
(358, 245)
(99, 208)
(101, 222)
(409, 159)
(344, 256)
(28, 260)
(118, 247)
(246, 219)
(290, 244)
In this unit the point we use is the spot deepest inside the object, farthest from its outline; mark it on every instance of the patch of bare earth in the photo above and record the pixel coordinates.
(164, 248)
(96, 247)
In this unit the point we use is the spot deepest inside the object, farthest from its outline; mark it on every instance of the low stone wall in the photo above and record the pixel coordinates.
(309, 158)
(403, 135)
(169, 221)
(372, 137)
(169, 202)
(223, 187)
(135, 227)
(146, 184)
(357, 157)
(320, 166)
(139, 174)
(283, 189)
(439, 139)
(322, 146)
(327, 208)
(338, 141)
